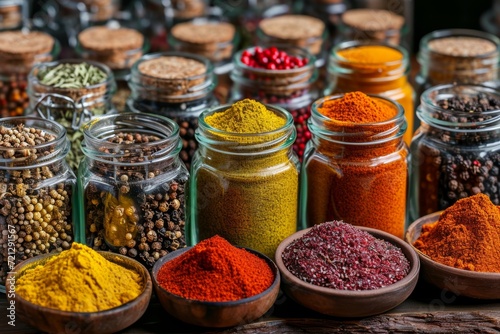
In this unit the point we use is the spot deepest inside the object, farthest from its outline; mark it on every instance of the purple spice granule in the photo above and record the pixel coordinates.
(340, 256)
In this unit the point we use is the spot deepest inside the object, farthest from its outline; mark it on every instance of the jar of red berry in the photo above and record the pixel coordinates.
(282, 77)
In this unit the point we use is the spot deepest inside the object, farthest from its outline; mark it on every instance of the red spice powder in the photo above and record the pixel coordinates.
(216, 271)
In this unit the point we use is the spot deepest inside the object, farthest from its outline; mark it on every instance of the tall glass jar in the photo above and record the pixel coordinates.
(245, 185)
(132, 186)
(71, 107)
(357, 173)
(456, 151)
(374, 68)
(19, 52)
(291, 89)
(36, 191)
(176, 85)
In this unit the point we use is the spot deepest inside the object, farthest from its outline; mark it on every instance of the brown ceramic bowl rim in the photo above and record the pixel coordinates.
(413, 259)
(145, 293)
(431, 218)
(231, 303)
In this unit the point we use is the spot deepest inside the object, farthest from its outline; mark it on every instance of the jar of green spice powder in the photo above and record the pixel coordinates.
(245, 176)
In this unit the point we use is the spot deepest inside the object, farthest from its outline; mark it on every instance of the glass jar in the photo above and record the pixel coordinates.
(455, 154)
(16, 60)
(329, 11)
(355, 173)
(12, 13)
(71, 107)
(166, 84)
(364, 73)
(36, 191)
(244, 186)
(293, 90)
(132, 186)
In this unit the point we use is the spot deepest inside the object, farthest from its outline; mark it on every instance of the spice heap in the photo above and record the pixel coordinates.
(216, 271)
(19, 51)
(248, 199)
(121, 215)
(271, 59)
(294, 30)
(340, 256)
(367, 185)
(79, 280)
(373, 24)
(34, 216)
(466, 236)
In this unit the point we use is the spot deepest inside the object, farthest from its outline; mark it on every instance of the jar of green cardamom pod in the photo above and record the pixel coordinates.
(36, 191)
(132, 186)
(245, 176)
(71, 92)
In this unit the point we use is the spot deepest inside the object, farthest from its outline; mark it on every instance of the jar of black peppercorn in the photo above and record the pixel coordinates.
(456, 150)
(36, 188)
(176, 85)
(285, 78)
(132, 186)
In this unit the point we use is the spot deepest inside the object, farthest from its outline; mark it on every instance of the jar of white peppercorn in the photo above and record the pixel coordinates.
(176, 85)
(36, 188)
(132, 186)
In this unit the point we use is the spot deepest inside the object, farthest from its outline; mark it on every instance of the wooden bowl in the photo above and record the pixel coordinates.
(461, 282)
(345, 303)
(56, 321)
(216, 314)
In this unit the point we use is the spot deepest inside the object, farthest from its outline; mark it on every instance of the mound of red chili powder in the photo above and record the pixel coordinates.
(216, 271)
(340, 256)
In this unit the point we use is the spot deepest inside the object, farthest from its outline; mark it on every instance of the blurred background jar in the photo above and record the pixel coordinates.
(456, 151)
(329, 11)
(12, 14)
(132, 186)
(375, 68)
(36, 187)
(176, 85)
(71, 92)
(19, 51)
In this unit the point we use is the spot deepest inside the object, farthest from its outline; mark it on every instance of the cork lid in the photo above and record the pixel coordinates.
(203, 33)
(19, 43)
(372, 19)
(172, 67)
(462, 46)
(292, 27)
(102, 38)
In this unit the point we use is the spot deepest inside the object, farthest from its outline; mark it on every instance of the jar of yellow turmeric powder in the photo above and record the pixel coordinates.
(373, 68)
(132, 186)
(355, 167)
(36, 191)
(245, 177)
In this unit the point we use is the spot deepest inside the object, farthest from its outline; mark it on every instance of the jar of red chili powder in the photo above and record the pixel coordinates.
(355, 167)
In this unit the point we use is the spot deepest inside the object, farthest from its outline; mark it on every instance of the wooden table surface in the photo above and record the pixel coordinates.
(428, 310)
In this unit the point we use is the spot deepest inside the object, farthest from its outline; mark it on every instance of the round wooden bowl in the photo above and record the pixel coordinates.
(345, 303)
(461, 282)
(56, 321)
(216, 314)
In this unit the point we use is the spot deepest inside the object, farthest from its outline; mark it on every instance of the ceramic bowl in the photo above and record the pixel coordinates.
(461, 282)
(56, 321)
(216, 314)
(344, 303)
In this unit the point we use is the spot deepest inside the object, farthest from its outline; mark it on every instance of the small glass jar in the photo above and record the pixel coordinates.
(455, 154)
(71, 107)
(329, 11)
(165, 84)
(293, 90)
(132, 186)
(36, 191)
(245, 186)
(357, 173)
(388, 78)
(12, 13)
(16, 60)
(92, 10)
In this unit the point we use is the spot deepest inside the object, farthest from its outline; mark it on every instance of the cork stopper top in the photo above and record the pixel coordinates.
(462, 46)
(292, 27)
(25, 43)
(372, 19)
(102, 38)
(172, 67)
(204, 33)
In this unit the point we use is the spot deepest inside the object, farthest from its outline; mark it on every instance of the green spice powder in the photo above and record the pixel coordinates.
(250, 200)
